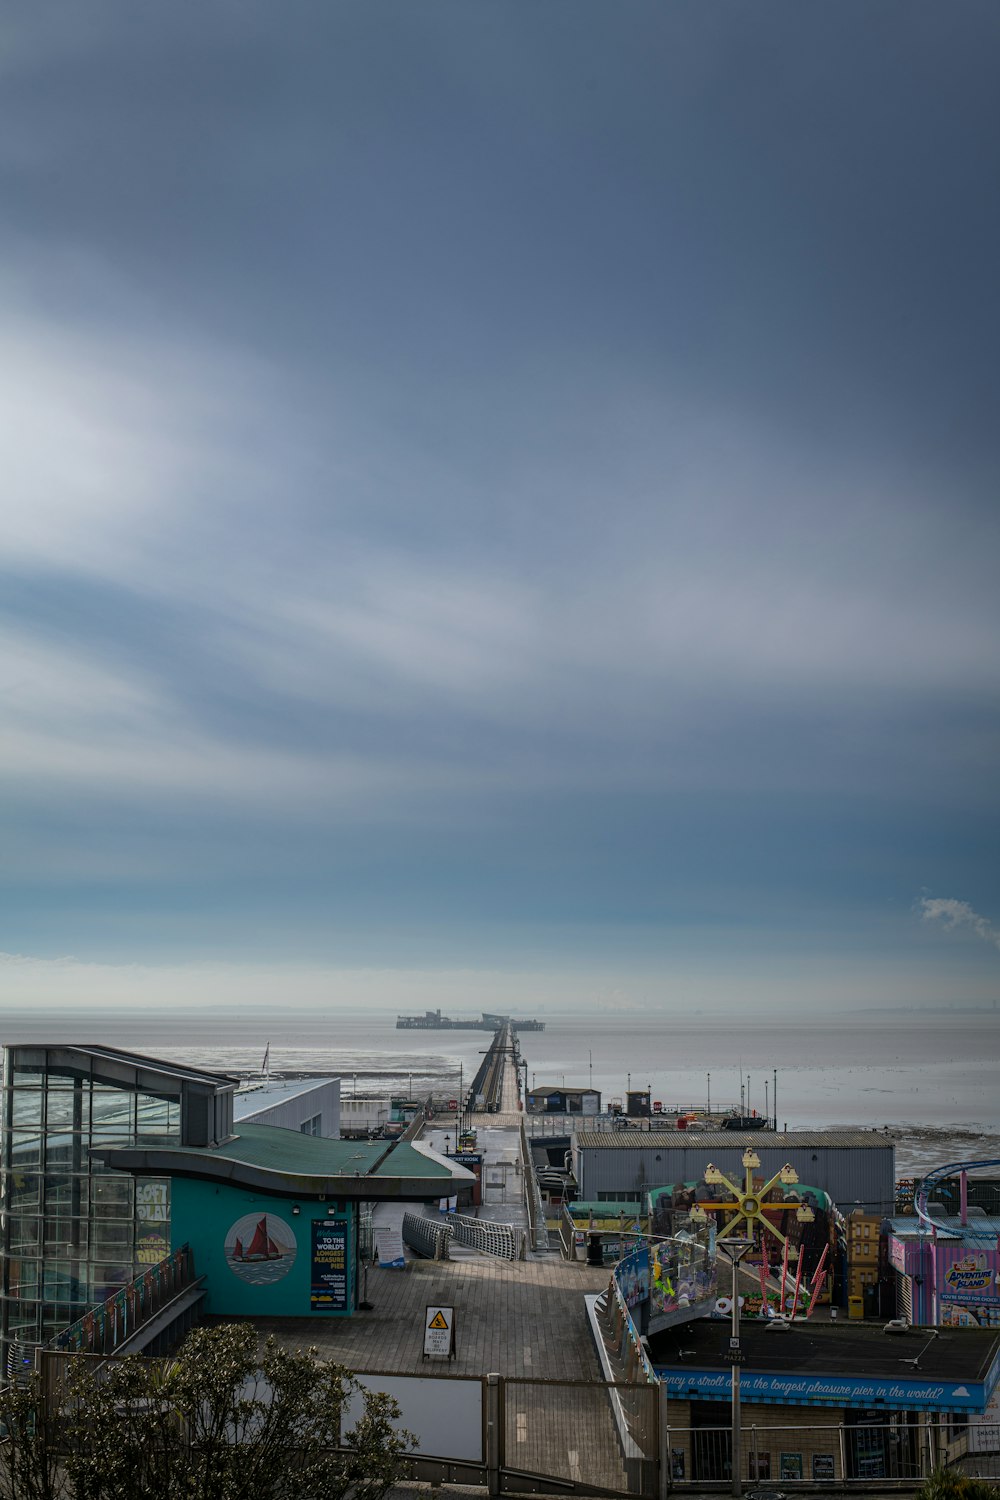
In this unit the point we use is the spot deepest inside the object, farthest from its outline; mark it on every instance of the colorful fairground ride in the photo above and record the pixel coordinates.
(792, 1226)
(948, 1263)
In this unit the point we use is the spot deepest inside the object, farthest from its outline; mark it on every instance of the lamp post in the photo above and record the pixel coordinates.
(734, 1250)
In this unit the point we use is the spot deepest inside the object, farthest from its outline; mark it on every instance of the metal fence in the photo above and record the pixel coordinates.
(428, 1237)
(587, 1435)
(108, 1325)
(540, 1125)
(616, 1439)
(537, 1226)
(507, 1241)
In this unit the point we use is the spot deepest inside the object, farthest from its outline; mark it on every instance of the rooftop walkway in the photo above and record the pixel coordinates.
(517, 1318)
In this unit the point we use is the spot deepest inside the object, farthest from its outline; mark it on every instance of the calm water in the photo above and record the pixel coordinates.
(935, 1082)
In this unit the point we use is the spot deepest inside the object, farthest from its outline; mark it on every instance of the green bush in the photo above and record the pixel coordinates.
(221, 1420)
(947, 1484)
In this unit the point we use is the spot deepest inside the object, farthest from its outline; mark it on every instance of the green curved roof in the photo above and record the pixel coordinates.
(290, 1163)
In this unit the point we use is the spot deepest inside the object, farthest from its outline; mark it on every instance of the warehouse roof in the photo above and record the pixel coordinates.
(715, 1140)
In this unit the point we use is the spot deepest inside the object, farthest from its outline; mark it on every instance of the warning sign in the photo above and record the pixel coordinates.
(439, 1332)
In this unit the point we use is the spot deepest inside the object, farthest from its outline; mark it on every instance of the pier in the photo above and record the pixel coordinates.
(491, 1111)
(433, 1020)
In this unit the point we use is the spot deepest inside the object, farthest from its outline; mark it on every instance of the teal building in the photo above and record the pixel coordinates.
(109, 1160)
(272, 1215)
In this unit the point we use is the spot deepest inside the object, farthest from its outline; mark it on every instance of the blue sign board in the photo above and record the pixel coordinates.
(809, 1389)
(633, 1275)
(328, 1284)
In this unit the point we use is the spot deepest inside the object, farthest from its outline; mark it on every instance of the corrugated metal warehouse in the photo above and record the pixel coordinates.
(856, 1167)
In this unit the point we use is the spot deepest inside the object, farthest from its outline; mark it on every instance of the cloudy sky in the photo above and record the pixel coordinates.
(501, 489)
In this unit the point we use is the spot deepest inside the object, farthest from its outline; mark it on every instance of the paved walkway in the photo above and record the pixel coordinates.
(515, 1318)
(498, 1141)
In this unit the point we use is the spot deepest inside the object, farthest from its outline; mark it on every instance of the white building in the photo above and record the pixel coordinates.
(309, 1105)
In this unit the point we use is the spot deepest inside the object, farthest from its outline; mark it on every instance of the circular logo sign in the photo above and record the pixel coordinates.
(260, 1248)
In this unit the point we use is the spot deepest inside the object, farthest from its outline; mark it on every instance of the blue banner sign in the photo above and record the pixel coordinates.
(633, 1275)
(328, 1288)
(809, 1389)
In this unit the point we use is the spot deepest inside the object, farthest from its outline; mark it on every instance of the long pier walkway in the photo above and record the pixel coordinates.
(497, 1126)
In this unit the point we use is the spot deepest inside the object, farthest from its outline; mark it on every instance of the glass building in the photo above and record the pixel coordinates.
(72, 1230)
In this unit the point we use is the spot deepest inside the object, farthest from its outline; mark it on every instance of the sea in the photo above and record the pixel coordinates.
(930, 1079)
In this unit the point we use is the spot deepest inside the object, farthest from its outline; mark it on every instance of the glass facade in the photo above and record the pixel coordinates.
(73, 1230)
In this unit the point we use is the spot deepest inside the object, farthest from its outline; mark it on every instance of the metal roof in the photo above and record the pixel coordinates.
(761, 1140)
(833, 1348)
(979, 1227)
(43, 1054)
(563, 1088)
(292, 1164)
(253, 1097)
(839, 1365)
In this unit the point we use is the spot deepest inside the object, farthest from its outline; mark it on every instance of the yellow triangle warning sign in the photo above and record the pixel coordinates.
(438, 1321)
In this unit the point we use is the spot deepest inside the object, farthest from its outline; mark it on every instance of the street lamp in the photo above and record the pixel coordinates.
(734, 1250)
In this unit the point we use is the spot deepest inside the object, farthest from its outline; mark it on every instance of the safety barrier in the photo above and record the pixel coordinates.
(426, 1237)
(506, 1241)
(110, 1324)
(621, 1338)
(615, 1439)
(537, 1226)
(886, 1453)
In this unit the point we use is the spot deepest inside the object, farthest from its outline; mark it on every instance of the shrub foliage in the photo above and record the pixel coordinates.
(222, 1419)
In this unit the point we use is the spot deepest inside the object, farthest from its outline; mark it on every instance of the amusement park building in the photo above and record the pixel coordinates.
(949, 1276)
(855, 1167)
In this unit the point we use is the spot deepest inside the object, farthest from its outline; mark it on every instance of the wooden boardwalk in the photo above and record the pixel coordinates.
(521, 1318)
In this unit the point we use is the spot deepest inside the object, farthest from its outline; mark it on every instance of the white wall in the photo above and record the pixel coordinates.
(322, 1098)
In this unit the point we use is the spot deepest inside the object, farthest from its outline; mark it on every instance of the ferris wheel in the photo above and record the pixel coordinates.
(749, 1206)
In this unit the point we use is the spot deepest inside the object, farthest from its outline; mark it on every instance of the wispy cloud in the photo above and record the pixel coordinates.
(429, 488)
(959, 914)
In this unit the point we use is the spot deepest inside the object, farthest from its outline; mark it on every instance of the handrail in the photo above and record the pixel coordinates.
(532, 1195)
(108, 1324)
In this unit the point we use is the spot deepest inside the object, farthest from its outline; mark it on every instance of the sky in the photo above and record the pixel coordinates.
(501, 502)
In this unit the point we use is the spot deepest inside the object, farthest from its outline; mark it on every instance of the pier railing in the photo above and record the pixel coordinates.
(106, 1326)
(537, 1227)
(615, 1438)
(427, 1237)
(506, 1241)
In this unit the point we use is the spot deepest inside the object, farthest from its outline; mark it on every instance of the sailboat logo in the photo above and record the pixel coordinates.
(260, 1248)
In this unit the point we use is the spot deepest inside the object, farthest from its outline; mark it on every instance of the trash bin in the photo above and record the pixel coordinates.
(855, 1307)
